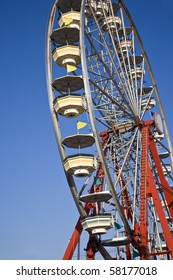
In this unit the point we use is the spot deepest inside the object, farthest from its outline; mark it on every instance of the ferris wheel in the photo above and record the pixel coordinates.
(111, 131)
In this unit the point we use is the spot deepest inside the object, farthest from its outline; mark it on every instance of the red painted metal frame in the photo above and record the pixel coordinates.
(164, 183)
(143, 207)
(147, 190)
(152, 192)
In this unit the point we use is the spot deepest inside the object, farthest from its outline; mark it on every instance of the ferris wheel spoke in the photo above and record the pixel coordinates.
(125, 158)
(136, 179)
(125, 78)
(113, 78)
(127, 64)
(108, 96)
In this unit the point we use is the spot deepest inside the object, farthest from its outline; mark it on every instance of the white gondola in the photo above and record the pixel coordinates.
(137, 72)
(79, 141)
(70, 106)
(164, 154)
(167, 169)
(80, 165)
(134, 60)
(92, 4)
(124, 46)
(145, 90)
(161, 247)
(67, 55)
(158, 136)
(64, 35)
(111, 23)
(70, 19)
(101, 9)
(167, 218)
(148, 105)
(116, 241)
(66, 6)
(98, 224)
(124, 32)
(68, 83)
(96, 197)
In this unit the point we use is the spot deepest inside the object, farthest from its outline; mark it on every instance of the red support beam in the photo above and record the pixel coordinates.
(148, 189)
(152, 191)
(166, 188)
(73, 241)
(143, 207)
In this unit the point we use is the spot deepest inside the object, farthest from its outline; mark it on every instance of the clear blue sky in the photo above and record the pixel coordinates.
(37, 213)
